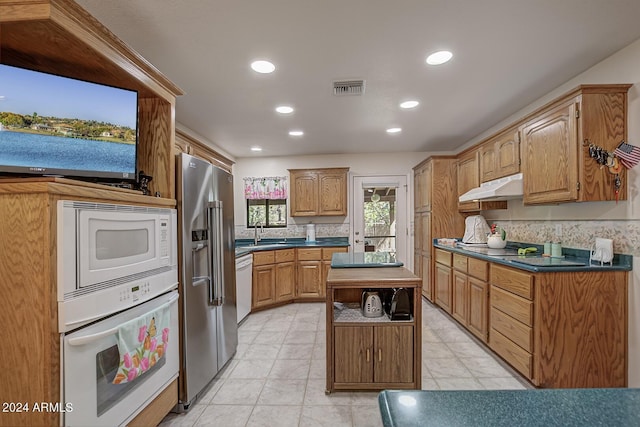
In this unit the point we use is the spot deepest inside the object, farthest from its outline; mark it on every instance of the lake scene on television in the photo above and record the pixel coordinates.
(60, 125)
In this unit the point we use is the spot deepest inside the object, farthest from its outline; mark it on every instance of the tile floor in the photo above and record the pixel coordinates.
(277, 377)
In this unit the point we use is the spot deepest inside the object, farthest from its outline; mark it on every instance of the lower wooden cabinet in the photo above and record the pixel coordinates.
(470, 294)
(374, 354)
(285, 281)
(292, 274)
(443, 285)
(478, 319)
(460, 297)
(264, 285)
(309, 279)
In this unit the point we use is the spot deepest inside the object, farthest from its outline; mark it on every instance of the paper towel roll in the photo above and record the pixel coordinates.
(311, 232)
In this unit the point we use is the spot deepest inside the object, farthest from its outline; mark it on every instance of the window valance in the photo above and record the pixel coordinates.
(267, 187)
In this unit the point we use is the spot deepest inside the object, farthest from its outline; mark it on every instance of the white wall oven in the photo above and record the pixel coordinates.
(117, 309)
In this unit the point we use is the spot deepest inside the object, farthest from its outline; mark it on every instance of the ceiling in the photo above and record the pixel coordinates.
(507, 53)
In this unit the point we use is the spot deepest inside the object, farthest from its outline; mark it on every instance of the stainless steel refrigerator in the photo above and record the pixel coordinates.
(209, 333)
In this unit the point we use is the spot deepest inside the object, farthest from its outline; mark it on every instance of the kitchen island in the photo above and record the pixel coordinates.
(566, 407)
(372, 353)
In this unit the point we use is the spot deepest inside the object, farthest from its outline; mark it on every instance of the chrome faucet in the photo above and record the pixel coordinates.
(257, 238)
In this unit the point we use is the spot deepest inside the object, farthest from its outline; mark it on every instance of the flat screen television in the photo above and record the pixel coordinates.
(58, 126)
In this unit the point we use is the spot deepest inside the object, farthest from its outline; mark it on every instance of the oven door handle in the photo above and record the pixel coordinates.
(77, 341)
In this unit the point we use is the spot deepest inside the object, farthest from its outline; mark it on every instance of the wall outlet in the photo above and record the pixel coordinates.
(559, 230)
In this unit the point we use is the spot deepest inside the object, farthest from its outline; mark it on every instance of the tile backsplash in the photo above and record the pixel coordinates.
(294, 230)
(577, 234)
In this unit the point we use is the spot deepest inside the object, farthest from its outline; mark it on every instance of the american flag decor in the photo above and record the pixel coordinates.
(628, 154)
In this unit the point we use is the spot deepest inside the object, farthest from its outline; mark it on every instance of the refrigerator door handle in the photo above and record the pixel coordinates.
(216, 255)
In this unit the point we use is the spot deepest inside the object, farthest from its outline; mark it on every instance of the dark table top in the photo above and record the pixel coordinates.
(539, 407)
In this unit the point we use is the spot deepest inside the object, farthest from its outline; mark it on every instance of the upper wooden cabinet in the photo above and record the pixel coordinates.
(556, 164)
(469, 178)
(500, 156)
(60, 37)
(318, 192)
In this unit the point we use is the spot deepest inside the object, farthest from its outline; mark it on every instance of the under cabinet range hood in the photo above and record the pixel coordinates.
(509, 187)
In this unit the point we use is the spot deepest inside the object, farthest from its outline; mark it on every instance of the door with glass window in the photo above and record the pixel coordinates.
(379, 215)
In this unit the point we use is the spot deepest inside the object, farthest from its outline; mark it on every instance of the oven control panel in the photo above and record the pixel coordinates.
(135, 292)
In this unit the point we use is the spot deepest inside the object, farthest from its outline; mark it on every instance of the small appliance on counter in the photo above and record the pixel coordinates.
(311, 232)
(476, 229)
(400, 305)
(371, 304)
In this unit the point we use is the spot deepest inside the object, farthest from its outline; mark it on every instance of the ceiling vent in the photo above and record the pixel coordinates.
(348, 87)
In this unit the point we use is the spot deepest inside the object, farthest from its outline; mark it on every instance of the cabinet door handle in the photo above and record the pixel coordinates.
(368, 355)
(379, 355)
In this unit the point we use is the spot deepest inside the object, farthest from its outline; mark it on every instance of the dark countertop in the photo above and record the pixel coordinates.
(245, 246)
(540, 407)
(571, 260)
(364, 259)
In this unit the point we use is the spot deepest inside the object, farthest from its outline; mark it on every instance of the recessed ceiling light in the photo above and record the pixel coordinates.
(284, 109)
(263, 67)
(394, 130)
(409, 104)
(440, 57)
(256, 149)
(296, 133)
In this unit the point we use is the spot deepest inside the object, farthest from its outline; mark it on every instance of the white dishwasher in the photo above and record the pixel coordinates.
(244, 266)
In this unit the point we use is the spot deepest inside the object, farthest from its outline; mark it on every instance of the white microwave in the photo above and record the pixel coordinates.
(113, 255)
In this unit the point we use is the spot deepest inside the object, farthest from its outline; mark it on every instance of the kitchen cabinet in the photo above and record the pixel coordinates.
(374, 354)
(310, 284)
(371, 353)
(285, 279)
(318, 192)
(435, 214)
(263, 292)
(469, 178)
(470, 296)
(478, 320)
(546, 327)
(556, 165)
(290, 275)
(500, 155)
(443, 280)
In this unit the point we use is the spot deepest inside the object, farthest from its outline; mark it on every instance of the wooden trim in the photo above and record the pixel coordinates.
(70, 189)
(78, 22)
(12, 11)
(153, 414)
(217, 158)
